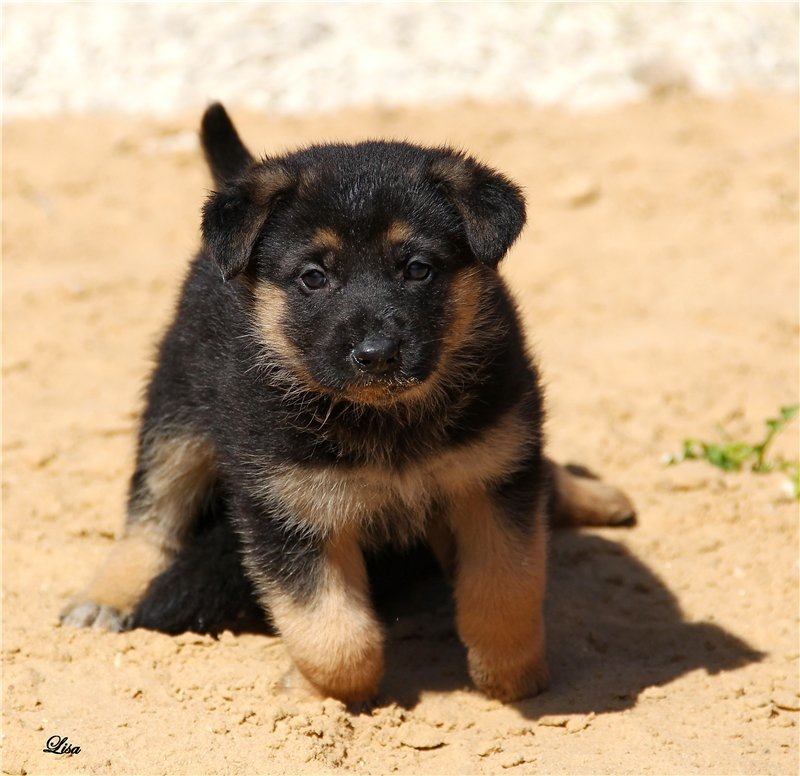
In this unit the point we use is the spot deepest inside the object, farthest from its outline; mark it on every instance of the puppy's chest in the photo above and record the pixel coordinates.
(391, 502)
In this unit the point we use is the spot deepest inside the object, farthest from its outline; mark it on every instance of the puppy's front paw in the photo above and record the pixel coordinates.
(88, 614)
(508, 679)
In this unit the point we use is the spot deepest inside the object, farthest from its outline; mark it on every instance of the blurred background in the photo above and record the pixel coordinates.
(291, 57)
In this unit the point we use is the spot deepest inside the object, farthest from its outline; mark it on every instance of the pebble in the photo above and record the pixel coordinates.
(487, 748)
(513, 759)
(299, 722)
(552, 720)
(764, 712)
(576, 724)
(284, 710)
(246, 715)
(786, 700)
(419, 736)
(759, 700)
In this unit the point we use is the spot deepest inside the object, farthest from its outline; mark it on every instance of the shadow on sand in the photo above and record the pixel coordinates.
(614, 629)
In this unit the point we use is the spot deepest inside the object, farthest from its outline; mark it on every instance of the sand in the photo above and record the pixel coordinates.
(658, 281)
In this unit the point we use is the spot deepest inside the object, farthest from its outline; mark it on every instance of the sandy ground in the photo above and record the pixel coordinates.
(658, 279)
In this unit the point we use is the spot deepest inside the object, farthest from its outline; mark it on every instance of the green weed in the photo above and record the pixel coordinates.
(731, 455)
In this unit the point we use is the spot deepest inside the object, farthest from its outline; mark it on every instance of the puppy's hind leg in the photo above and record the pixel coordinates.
(174, 474)
(580, 499)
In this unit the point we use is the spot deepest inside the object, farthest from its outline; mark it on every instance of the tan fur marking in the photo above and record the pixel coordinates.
(465, 297)
(398, 232)
(327, 499)
(180, 471)
(270, 311)
(326, 239)
(454, 171)
(270, 302)
(134, 561)
(266, 181)
(335, 640)
(500, 585)
(490, 458)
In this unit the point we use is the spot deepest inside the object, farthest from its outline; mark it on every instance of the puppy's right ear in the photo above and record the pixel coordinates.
(226, 154)
(492, 208)
(234, 217)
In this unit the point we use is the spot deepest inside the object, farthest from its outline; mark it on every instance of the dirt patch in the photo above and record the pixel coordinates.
(658, 281)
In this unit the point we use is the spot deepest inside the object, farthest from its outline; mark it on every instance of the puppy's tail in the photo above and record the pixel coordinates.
(579, 498)
(226, 154)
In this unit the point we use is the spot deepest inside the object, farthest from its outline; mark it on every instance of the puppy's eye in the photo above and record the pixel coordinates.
(418, 270)
(314, 279)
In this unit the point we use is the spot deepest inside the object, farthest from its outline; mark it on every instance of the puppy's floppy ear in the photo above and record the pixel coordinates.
(234, 217)
(226, 154)
(491, 207)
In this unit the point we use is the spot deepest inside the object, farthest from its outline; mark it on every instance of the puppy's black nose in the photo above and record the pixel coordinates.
(377, 354)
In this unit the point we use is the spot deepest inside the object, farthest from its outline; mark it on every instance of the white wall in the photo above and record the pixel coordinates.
(157, 58)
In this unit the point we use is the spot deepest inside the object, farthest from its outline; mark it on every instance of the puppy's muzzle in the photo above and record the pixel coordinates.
(377, 355)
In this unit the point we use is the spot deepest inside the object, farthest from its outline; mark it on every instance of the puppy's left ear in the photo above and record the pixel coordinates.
(491, 207)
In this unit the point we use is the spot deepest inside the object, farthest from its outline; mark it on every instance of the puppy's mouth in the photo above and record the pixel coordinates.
(380, 389)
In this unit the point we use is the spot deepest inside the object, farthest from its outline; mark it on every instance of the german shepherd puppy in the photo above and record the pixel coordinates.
(346, 370)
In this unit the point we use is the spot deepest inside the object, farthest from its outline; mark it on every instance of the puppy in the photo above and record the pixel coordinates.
(346, 370)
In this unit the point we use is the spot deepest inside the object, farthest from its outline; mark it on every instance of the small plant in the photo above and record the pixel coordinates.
(732, 454)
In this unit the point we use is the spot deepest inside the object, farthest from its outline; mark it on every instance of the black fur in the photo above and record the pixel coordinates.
(204, 590)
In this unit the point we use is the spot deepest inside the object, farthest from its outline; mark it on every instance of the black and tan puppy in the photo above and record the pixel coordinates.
(346, 370)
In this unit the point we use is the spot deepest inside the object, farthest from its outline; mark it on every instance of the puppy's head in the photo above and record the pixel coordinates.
(365, 261)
